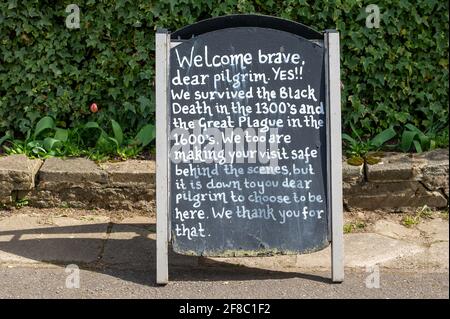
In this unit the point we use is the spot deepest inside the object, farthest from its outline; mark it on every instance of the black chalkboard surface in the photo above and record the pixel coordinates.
(271, 84)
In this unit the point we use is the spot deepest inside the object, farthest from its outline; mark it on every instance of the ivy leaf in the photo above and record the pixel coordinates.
(144, 103)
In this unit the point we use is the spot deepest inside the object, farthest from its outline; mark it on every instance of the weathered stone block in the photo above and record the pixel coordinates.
(5, 199)
(17, 172)
(433, 169)
(125, 174)
(387, 188)
(402, 181)
(404, 199)
(6, 188)
(71, 171)
(81, 183)
(393, 167)
(352, 177)
(352, 174)
(64, 184)
(82, 197)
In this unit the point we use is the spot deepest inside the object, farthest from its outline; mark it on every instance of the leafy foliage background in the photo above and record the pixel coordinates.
(391, 76)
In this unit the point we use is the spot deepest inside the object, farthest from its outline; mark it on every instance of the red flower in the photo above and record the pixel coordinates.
(94, 108)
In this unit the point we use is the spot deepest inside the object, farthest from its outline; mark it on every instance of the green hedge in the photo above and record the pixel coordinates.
(393, 75)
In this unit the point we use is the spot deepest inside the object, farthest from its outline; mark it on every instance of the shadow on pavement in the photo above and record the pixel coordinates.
(128, 253)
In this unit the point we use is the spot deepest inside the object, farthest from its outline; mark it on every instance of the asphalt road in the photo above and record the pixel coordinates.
(50, 282)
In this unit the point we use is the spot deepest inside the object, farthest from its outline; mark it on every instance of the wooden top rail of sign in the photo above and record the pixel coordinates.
(248, 140)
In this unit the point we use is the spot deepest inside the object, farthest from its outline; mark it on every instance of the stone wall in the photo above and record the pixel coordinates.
(399, 181)
(79, 183)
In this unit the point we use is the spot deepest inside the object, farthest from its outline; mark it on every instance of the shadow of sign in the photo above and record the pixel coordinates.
(123, 250)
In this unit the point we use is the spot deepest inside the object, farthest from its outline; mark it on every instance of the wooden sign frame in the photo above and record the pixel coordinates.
(334, 144)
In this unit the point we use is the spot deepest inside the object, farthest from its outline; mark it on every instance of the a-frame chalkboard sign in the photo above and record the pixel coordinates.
(248, 137)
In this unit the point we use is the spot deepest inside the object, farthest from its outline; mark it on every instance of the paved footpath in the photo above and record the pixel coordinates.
(116, 258)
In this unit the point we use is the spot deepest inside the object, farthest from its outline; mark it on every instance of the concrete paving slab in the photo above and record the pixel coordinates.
(435, 258)
(367, 249)
(438, 255)
(360, 250)
(29, 239)
(145, 222)
(130, 245)
(434, 229)
(396, 230)
(132, 241)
